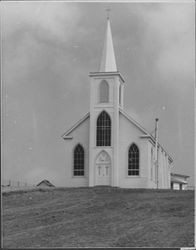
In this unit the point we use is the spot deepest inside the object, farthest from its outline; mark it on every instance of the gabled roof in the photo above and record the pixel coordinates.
(146, 133)
(46, 182)
(65, 135)
(134, 122)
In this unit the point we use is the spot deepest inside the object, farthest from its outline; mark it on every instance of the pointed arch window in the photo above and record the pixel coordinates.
(103, 130)
(104, 92)
(78, 161)
(133, 160)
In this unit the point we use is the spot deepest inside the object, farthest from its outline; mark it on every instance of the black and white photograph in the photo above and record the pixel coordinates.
(98, 119)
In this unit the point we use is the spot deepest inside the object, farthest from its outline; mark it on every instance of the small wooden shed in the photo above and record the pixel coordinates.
(45, 183)
(179, 181)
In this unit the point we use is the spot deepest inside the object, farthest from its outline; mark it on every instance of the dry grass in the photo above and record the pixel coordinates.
(98, 217)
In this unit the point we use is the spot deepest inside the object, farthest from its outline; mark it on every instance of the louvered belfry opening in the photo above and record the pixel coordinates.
(104, 92)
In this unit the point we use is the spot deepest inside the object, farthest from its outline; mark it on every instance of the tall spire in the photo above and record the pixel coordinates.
(108, 61)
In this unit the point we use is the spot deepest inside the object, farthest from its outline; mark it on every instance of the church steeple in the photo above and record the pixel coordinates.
(108, 61)
(107, 88)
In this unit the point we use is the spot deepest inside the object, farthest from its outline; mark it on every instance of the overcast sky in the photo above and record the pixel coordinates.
(48, 50)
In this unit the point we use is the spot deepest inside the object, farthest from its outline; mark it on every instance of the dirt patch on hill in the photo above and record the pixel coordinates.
(98, 217)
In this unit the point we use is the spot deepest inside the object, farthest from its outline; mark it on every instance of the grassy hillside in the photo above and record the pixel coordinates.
(98, 217)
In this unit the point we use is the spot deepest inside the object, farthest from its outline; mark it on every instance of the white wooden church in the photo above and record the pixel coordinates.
(107, 146)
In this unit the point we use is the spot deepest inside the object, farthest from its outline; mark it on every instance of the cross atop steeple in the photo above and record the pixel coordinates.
(108, 61)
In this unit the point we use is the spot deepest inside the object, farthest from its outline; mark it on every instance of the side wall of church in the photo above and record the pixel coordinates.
(151, 166)
(80, 136)
(147, 178)
(129, 134)
(164, 168)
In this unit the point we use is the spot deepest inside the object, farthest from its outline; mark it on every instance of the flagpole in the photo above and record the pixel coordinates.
(156, 151)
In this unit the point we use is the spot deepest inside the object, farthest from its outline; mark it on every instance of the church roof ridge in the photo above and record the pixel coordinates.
(135, 122)
(147, 134)
(65, 135)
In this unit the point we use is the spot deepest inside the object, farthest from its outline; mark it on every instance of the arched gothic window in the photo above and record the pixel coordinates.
(103, 130)
(133, 160)
(78, 161)
(104, 92)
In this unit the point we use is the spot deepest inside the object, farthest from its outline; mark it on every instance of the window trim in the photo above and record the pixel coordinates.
(73, 150)
(127, 169)
(96, 134)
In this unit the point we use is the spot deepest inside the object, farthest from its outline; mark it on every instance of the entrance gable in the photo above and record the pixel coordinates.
(103, 157)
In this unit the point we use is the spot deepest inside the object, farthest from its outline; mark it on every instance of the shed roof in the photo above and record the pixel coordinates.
(175, 180)
(179, 175)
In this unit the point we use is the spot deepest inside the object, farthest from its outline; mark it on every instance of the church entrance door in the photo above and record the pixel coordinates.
(103, 169)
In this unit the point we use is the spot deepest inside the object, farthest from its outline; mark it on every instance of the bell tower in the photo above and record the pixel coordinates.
(106, 98)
